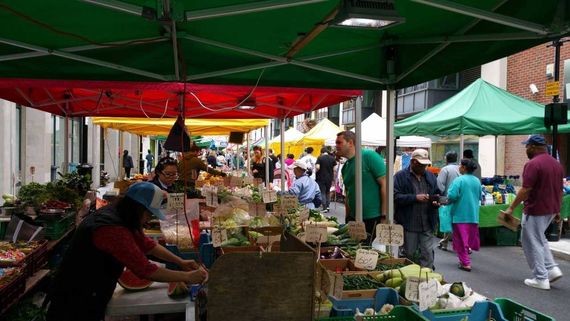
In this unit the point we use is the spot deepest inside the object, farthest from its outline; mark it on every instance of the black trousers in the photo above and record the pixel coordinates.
(370, 225)
(128, 172)
(325, 194)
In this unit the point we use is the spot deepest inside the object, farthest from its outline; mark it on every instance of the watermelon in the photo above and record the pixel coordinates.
(129, 281)
(177, 289)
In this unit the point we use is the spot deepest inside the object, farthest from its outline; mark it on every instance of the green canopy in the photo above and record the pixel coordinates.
(479, 109)
(286, 43)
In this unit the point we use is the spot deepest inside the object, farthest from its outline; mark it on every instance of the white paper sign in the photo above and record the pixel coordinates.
(236, 181)
(248, 180)
(269, 196)
(175, 202)
(268, 239)
(366, 259)
(211, 194)
(289, 201)
(427, 294)
(390, 234)
(412, 288)
(219, 236)
(357, 230)
(315, 233)
(304, 215)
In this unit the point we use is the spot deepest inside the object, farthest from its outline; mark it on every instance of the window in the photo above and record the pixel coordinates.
(58, 139)
(448, 82)
(75, 146)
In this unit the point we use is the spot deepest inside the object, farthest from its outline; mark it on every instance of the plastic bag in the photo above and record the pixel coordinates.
(445, 219)
(176, 230)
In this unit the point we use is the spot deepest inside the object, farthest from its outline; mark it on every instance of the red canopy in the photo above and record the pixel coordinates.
(141, 99)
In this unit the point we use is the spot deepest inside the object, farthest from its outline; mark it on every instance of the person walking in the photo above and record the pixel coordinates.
(464, 197)
(325, 176)
(373, 182)
(446, 176)
(468, 153)
(541, 193)
(127, 163)
(149, 161)
(415, 208)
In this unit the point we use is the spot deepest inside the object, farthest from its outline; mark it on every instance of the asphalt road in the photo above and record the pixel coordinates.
(500, 272)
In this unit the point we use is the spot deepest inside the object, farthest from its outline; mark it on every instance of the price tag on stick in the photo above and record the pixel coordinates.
(304, 215)
(219, 236)
(390, 234)
(212, 197)
(269, 196)
(289, 201)
(427, 294)
(316, 233)
(357, 231)
(366, 259)
(412, 288)
(175, 202)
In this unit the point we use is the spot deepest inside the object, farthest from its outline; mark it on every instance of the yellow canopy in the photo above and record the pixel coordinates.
(324, 130)
(291, 136)
(201, 127)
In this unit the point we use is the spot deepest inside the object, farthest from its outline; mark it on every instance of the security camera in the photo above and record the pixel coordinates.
(533, 89)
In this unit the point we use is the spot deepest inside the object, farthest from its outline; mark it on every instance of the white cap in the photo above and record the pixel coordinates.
(300, 164)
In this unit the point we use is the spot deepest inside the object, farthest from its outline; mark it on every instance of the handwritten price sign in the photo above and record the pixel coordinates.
(219, 236)
(315, 233)
(236, 181)
(357, 231)
(390, 234)
(211, 194)
(269, 196)
(289, 201)
(427, 292)
(304, 215)
(366, 259)
(175, 202)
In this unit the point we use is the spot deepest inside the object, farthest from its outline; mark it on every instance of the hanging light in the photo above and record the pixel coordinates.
(247, 104)
(372, 14)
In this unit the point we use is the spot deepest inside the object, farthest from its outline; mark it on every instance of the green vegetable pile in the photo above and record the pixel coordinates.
(360, 282)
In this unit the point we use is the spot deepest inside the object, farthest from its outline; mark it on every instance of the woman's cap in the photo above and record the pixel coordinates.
(148, 195)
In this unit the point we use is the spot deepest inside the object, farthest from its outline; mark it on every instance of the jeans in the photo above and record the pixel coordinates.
(325, 194)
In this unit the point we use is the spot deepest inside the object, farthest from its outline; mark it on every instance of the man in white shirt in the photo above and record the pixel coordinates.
(310, 162)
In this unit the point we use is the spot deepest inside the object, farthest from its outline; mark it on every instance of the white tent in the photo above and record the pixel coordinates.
(374, 134)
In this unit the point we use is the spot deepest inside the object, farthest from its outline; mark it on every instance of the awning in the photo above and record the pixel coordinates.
(284, 43)
(202, 127)
(159, 100)
(479, 109)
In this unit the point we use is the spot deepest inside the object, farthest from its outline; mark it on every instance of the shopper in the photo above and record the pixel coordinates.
(373, 182)
(305, 188)
(290, 159)
(149, 162)
(541, 193)
(212, 159)
(310, 161)
(415, 207)
(127, 163)
(464, 197)
(468, 153)
(325, 176)
(166, 173)
(258, 165)
(446, 176)
(106, 242)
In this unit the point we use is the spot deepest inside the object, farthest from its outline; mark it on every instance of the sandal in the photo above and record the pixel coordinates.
(465, 267)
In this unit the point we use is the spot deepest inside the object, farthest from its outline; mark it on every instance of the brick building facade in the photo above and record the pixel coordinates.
(525, 68)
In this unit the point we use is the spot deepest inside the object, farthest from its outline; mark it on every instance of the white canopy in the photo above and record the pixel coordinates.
(374, 134)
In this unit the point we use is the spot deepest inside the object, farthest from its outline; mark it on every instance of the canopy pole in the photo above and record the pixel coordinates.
(461, 145)
(266, 130)
(66, 141)
(390, 157)
(248, 162)
(282, 138)
(358, 159)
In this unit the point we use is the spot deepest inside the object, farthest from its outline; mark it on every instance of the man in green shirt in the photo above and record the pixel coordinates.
(373, 182)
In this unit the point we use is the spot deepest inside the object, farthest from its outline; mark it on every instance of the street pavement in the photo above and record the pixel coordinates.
(499, 271)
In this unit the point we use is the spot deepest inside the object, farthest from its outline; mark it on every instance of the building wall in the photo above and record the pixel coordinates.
(8, 166)
(525, 68)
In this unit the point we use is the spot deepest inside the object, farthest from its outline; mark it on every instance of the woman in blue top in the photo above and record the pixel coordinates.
(464, 196)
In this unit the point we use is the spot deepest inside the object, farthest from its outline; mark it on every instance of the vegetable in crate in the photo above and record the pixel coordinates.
(360, 282)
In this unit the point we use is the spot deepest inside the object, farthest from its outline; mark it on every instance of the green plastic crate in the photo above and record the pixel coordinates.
(55, 228)
(514, 311)
(399, 313)
(506, 237)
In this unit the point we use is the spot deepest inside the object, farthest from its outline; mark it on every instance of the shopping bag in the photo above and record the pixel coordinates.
(445, 219)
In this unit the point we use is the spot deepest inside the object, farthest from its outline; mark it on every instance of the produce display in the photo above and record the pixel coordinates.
(385, 309)
(360, 282)
(129, 281)
(396, 278)
(11, 257)
(7, 275)
(9, 200)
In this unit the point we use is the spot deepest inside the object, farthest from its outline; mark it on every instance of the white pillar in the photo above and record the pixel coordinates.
(94, 153)
(282, 136)
(112, 153)
(267, 157)
(8, 159)
(37, 151)
(358, 160)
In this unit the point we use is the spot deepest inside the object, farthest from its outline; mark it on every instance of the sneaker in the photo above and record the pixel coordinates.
(539, 284)
(554, 274)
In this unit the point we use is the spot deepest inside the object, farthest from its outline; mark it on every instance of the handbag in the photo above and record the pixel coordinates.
(445, 219)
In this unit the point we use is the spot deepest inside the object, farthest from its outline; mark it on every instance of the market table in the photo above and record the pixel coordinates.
(153, 300)
(488, 213)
